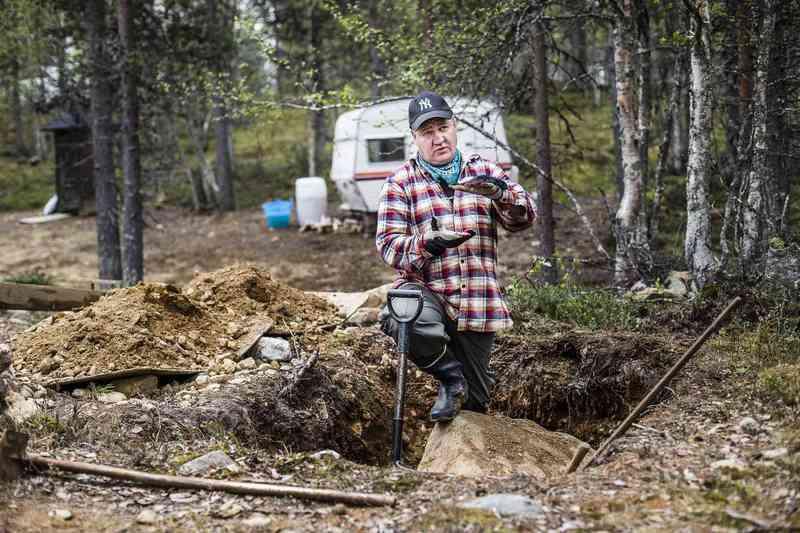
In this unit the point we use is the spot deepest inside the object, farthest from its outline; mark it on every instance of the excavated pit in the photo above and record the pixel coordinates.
(577, 382)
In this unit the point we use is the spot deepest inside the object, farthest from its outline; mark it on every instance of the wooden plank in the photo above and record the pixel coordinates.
(256, 332)
(130, 372)
(44, 297)
(44, 218)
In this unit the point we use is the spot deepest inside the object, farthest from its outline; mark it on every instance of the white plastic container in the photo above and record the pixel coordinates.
(310, 199)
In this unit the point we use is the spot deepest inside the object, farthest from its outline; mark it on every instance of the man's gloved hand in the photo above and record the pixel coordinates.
(484, 185)
(437, 241)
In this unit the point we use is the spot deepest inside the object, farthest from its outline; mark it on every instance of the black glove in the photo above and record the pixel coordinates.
(483, 185)
(437, 241)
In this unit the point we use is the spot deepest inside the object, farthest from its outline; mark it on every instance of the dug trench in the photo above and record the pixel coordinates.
(335, 393)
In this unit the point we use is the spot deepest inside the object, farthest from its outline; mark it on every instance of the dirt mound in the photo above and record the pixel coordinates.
(246, 290)
(571, 381)
(159, 326)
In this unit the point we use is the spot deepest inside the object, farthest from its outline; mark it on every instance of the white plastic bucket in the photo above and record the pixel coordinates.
(311, 200)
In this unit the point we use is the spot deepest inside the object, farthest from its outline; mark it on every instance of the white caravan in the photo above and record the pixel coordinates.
(372, 142)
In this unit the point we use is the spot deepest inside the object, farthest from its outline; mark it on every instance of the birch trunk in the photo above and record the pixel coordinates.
(133, 223)
(697, 243)
(755, 211)
(108, 246)
(643, 114)
(615, 129)
(545, 218)
(627, 216)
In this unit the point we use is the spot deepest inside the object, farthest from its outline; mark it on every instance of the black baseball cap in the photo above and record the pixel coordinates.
(425, 106)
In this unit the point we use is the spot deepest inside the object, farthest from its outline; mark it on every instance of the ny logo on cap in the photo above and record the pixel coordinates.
(424, 103)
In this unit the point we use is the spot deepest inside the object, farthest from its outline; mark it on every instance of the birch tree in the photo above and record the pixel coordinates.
(697, 242)
(760, 176)
(627, 216)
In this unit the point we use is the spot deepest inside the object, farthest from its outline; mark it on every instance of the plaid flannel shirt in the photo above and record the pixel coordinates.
(464, 277)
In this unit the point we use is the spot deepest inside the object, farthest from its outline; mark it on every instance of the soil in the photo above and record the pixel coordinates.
(710, 456)
(179, 243)
(159, 326)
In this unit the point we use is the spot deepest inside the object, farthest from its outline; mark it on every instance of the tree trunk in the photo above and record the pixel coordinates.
(15, 103)
(616, 133)
(376, 61)
(697, 243)
(108, 246)
(627, 216)
(579, 62)
(670, 116)
(644, 81)
(760, 178)
(316, 118)
(545, 218)
(224, 20)
(133, 224)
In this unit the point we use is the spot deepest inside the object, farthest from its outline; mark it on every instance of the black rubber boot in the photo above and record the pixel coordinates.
(452, 388)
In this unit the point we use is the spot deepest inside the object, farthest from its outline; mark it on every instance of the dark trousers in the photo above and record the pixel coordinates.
(434, 336)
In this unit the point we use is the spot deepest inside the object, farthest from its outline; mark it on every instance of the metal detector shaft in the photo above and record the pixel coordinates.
(400, 392)
(405, 307)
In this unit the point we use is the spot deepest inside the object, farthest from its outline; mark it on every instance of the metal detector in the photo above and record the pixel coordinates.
(405, 305)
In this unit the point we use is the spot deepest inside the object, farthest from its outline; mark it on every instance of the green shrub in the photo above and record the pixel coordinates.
(781, 382)
(565, 302)
(31, 278)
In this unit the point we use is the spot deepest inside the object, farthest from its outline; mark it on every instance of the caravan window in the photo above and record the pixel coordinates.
(386, 150)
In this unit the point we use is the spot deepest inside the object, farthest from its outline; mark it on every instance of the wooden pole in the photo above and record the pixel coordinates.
(234, 487)
(580, 453)
(623, 427)
(44, 297)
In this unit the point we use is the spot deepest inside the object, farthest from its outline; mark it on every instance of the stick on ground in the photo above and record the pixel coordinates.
(623, 427)
(234, 487)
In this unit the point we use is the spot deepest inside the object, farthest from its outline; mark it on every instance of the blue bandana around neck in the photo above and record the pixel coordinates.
(447, 173)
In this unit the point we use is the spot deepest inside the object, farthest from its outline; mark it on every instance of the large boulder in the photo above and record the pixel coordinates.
(477, 445)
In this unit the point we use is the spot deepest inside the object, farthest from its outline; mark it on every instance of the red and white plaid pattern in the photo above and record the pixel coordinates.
(465, 276)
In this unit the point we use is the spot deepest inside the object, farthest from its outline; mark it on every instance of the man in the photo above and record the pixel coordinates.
(437, 225)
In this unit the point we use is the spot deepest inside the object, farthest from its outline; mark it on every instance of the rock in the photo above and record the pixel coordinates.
(136, 385)
(5, 357)
(182, 497)
(147, 516)
(478, 445)
(749, 425)
(272, 349)
(61, 514)
(112, 397)
(228, 366)
(775, 454)
(505, 505)
(20, 408)
(245, 364)
(729, 464)
(364, 316)
(80, 393)
(201, 379)
(326, 453)
(679, 283)
(227, 510)
(650, 293)
(377, 297)
(257, 520)
(208, 463)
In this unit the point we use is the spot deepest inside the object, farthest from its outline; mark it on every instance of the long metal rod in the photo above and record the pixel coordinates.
(235, 487)
(623, 427)
(400, 394)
